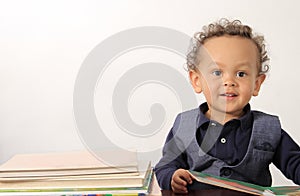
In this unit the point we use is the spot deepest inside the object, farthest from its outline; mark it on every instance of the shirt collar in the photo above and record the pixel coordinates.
(245, 120)
(203, 119)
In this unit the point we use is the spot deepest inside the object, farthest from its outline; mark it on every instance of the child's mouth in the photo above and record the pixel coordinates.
(229, 95)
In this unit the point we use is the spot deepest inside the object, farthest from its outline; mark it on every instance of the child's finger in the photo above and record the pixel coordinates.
(178, 188)
(180, 180)
(187, 177)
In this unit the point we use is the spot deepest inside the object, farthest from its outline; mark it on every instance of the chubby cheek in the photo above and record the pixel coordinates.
(247, 90)
(211, 90)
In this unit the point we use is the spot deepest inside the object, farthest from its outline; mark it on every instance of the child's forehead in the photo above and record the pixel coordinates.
(229, 41)
(229, 49)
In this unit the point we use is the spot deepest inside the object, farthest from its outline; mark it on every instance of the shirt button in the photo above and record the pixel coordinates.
(227, 172)
(213, 124)
(223, 140)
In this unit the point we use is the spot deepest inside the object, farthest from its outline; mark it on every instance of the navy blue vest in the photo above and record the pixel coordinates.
(254, 167)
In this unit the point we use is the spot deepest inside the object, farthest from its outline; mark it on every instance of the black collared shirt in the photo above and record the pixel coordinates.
(228, 142)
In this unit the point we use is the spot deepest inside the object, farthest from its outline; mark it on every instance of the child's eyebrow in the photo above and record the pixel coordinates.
(244, 65)
(212, 64)
(238, 64)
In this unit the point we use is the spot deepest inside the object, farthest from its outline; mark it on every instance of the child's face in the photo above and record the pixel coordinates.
(229, 75)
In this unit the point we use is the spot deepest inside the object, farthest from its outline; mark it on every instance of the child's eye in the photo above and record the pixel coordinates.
(217, 73)
(241, 74)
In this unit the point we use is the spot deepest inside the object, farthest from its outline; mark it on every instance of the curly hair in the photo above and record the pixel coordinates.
(226, 27)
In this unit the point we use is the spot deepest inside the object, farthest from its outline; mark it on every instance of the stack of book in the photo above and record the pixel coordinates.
(74, 173)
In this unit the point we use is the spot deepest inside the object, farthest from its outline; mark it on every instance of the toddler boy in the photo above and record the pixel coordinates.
(224, 137)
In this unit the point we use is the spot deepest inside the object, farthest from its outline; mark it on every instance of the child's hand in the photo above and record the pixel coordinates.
(180, 179)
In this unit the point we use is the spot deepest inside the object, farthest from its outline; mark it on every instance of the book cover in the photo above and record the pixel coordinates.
(68, 161)
(244, 186)
(24, 166)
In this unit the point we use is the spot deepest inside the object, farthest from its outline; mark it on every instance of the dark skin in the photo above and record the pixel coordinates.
(180, 179)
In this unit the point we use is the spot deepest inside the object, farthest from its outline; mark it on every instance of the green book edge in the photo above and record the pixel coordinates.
(245, 186)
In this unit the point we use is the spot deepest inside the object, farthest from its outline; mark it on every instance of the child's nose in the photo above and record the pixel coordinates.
(229, 84)
(228, 81)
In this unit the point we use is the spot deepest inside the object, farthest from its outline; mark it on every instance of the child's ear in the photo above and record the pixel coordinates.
(195, 81)
(259, 80)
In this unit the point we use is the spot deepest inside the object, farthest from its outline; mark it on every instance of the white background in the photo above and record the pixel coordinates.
(43, 44)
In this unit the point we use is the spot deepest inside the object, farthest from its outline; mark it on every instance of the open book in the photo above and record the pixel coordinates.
(244, 186)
